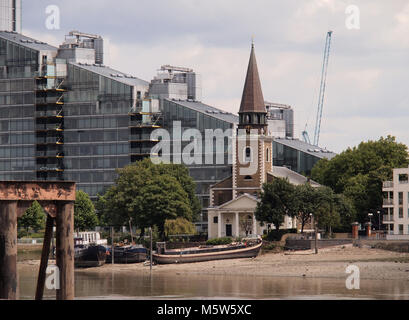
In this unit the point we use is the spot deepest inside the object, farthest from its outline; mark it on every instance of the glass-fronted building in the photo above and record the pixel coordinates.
(97, 110)
(298, 155)
(197, 115)
(21, 61)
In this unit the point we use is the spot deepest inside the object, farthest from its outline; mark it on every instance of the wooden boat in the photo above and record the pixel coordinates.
(247, 249)
(88, 255)
(128, 254)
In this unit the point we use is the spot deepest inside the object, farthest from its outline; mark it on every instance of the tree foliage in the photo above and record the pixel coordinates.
(150, 194)
(179, 226)
(85, 217)
(358, 173)
(305, 202)
(277, 201)
(34, 217)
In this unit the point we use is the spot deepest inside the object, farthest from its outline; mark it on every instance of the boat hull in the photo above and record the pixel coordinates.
(128, 255)
(90, 256)
(247, 252)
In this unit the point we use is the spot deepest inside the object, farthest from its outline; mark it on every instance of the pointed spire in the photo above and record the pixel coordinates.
(252, 99)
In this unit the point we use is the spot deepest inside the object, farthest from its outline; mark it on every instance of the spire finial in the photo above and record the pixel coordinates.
(252, 41)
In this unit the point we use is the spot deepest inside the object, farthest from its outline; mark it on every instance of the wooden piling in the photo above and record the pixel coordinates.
(44, 258)
(8, 250)
(65, 250)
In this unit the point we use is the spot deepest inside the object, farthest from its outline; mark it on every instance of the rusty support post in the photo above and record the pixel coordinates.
(8, 250)
(65, 250)
(44, 257)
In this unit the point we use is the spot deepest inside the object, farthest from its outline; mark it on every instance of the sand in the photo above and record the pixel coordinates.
(374, 264)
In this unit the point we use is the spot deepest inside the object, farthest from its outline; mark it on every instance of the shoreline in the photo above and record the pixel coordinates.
(374, 264)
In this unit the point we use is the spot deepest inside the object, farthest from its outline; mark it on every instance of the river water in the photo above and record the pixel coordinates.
(136, 286)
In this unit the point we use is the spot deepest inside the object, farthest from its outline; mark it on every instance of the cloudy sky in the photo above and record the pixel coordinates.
(368, 76)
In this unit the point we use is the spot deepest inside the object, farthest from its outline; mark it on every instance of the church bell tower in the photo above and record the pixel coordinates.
(254, 156)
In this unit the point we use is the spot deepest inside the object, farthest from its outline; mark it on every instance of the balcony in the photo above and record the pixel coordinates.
(140, 151)
(387, 218)
(387, 184)
(50, 140)
(50, 168)
(49, 154)
(47, 114)
(142, 137)
(49, 127)
(388, 202)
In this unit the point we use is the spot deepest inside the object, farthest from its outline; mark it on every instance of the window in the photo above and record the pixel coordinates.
(247, 154)
(403, 178)
(215, 219)
(401, 229)
(400, 212)
(268, 155)
(248, 178)
(400, 198)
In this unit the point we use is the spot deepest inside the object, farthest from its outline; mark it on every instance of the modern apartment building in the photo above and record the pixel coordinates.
(396, 205)
(10, 15)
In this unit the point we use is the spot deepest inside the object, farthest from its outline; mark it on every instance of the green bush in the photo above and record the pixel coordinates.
(275, 235)
(273, 246)
(217, 241)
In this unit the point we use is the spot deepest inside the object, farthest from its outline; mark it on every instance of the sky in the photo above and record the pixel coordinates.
(368, 74)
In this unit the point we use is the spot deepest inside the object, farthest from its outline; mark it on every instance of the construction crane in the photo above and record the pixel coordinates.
(322, 93)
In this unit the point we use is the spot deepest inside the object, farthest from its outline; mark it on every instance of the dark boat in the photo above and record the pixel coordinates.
(127, 254)
(247, 249)
(88, 255)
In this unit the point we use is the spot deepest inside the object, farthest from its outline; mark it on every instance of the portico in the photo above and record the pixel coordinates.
(234, 218)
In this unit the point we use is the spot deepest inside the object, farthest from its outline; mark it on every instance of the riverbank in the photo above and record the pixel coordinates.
(374, 264)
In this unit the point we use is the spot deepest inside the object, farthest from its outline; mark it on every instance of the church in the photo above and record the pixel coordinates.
(233, 200)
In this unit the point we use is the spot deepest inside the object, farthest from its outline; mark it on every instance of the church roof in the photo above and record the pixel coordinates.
(252, 99)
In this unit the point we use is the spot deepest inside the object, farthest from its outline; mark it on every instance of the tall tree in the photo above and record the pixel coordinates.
(358, 173)
(305, 203)
(85, 217)
(34, 217)
(277, 201)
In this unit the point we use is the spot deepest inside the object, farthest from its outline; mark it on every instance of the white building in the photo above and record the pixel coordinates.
(396, 204)
(10, 15)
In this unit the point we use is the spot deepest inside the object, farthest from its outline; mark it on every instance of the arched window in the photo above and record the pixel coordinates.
(258, 119)
(248, 178)
(247, 154)
(248, 118)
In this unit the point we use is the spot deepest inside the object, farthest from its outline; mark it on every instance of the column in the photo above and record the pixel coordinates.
(355, 230)
(368, 226)
(219, 224)
(8, 250)
(254, 225)
(237, 219)
(65, 250)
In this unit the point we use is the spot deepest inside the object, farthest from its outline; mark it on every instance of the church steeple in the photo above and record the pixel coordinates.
(252, 108)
